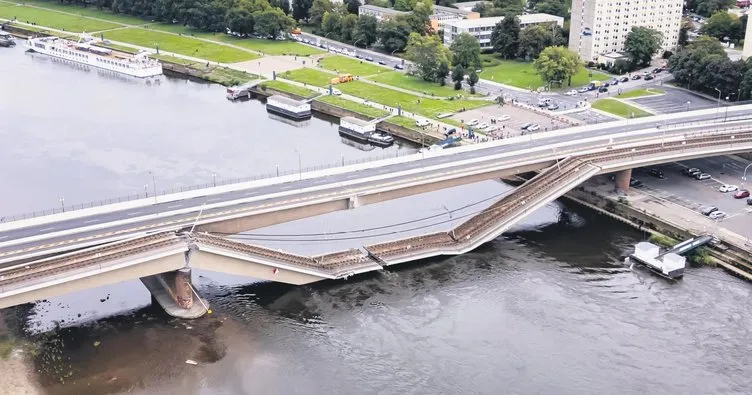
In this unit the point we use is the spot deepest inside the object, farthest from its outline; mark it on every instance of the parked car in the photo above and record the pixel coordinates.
(656, 173)
(657, 70)
(524, 126)
(572, 92)
(702, 176)
(584, 89)
(544, 102)
(624, 79)
(717, 214)
(741, 194)
(633, 182)
(534, 127)
(553, 106)
(603, 89)
(606, 84)
(398, 67)
(636, 77)
(336, 92)
(482, 125)
(502, 118)
(708, 210)
(422, 123)
(472, 122)
(749, 201)
(381, 62)
(728, 188)
(614, 81)
(690, 172)
(649, 77)
(368, 58)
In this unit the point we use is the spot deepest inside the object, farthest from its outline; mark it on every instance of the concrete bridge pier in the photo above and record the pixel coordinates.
(621, 179)
(174, 292)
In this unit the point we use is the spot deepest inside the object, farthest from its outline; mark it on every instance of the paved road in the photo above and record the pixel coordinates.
(142, 217)
(676, 100)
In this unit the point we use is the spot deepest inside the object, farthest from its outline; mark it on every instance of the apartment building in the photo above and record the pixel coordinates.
(600, 27)
(443, 14)
(379, 13)
(481, 28)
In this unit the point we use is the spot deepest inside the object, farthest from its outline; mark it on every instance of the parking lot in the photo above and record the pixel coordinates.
(695, 195)
(511, 127)
(675, 100)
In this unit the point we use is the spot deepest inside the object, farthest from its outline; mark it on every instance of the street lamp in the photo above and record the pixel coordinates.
(451, 221)
(719, 101)
(688, 103)
(154, 185)
(62, 203)
(214, 177)
(725, 114)
(146, 190)
(744, 177)
(300, 165)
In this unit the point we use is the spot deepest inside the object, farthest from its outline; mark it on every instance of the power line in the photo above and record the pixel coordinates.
(363, 230)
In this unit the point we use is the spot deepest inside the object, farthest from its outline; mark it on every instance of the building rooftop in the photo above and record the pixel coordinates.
(380, 10)
(285, 100)
(524, 19)
(355, 121)
(468, 5)
(437, 9)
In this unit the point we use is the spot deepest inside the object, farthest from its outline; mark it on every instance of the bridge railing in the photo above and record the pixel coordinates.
(276, 172)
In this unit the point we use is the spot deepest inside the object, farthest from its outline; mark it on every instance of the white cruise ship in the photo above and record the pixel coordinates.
(84, 52)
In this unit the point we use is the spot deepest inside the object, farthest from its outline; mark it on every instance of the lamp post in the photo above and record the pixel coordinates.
(146, 190)
(300, 165)
(154, 185)
(451, 220)
(214, 178)
(62, 203)
(725, 114)
(718, 107)
(744, 177)
(688, 103)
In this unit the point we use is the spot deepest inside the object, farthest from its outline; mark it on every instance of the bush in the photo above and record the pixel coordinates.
(667, 54)
(662, 240)
(701, 256)
(457, 85)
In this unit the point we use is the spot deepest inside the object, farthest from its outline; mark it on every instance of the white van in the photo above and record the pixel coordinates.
(422, 123)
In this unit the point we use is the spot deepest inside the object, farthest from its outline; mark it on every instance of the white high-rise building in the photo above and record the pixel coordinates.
(600, 27)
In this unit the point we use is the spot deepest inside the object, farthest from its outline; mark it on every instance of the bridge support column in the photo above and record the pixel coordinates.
(353, 202)
(621, 180)
(174, 292)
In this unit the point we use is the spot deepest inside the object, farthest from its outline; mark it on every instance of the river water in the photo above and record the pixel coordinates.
(550, 308)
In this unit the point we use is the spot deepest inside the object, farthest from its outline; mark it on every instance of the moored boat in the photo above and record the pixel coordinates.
(290, 108)
(364, 132)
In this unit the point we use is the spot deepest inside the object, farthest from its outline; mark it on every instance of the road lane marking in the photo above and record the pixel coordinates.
(47, 229)
(132, 214)
(175, 206)
(91, 221)
(3, 237)
(213, 200)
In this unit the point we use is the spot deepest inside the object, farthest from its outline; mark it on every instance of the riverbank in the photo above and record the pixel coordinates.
(18, 377)
(725, 253)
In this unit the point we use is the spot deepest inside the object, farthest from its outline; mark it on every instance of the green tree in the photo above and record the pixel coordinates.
(419, 19)
(505, 36)
(708, 7)
(553, 7)
(317, 11)
(535, 38)
(300, 9)
(686, 26)
(404, 5)
(353, 6)
(442, 73)
(516, 7)
(240, 21)
(472, 79)
(557, 64)
(458, 74)
(367, 31)
(466, 51)
(723, 26)
(348, 28)
(393, 34)
(271, 22)
(642, 43)
(427, 53)
(331, 24)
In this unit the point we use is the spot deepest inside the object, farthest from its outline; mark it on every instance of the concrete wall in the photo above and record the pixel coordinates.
(93, 278)
(240, 267)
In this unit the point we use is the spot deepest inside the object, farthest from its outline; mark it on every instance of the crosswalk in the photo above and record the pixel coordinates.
(672, 102)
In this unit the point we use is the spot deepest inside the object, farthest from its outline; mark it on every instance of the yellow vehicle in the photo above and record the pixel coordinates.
(296, 30)
(342, 78)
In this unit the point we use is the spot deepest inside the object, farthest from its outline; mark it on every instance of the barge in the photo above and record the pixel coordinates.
(364, 132)
(288, 108)
(669, 265)
(85, 53)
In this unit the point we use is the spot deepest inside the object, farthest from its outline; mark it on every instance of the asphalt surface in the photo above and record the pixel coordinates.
(696, 195)
(195, 204)
(676, 100)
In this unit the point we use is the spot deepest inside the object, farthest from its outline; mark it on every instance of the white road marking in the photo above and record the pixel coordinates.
(213, 200)
(47, 229)
(3, 237)
(175, 206)
(91, 221)
(132, 214)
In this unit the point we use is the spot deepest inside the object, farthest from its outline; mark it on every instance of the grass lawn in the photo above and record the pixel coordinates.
(86, 11)
(267, 47)
(523, 75)
(416, 84)
(290, 88)
(405, 122)
(356, 67)
(427, 107)
(616, 107)
(53, 19)
(310, 76)
(641, 92)
(175, 59)
(181, 45)
(353, 106)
